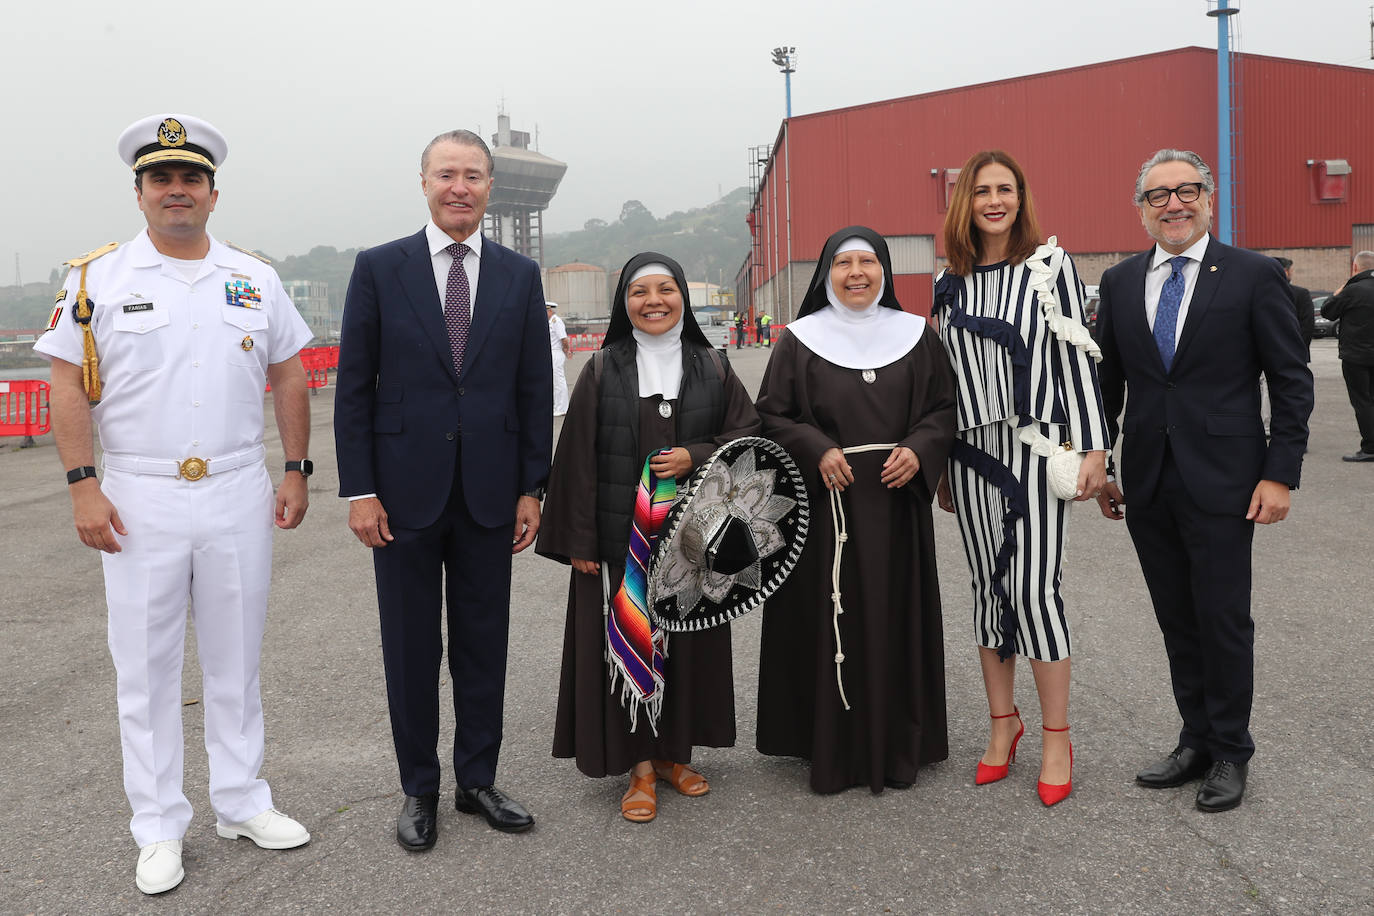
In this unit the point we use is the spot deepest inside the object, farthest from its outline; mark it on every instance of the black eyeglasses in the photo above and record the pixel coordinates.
(1187, 192)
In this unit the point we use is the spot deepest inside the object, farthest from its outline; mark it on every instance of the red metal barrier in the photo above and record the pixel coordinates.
(24, 409)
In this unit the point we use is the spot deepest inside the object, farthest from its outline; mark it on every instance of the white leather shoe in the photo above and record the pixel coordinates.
(271, 830)
(159, 867)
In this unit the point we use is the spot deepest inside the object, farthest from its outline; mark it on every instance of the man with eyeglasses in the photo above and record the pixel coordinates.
(1187, 328)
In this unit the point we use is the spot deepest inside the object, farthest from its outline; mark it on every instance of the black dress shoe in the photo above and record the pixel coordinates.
(1184, 764)
(501, 812)
(1361, 455)
(1223, 788)
(417, 826)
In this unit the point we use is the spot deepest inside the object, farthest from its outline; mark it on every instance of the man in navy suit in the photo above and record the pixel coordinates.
(1187, 328)
(443, 423)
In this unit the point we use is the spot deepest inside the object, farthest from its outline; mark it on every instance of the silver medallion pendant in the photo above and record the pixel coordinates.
(665, 410)
(870, 376)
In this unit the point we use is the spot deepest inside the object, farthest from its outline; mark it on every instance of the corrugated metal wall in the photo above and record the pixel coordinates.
(1293, 111)
(1081, 135)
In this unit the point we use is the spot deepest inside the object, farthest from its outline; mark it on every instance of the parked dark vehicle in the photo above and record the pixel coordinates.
(1091, 299)
(1324, 327)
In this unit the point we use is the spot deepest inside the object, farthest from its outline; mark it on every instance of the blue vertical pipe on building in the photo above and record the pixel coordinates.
(1225, 177)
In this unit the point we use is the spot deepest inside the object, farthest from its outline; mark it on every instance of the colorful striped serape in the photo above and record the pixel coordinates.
(635, 646)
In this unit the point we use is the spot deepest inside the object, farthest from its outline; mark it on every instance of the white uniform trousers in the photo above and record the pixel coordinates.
(210, 540)
(560, 383)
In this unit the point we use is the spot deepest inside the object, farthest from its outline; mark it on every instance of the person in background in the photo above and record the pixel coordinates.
(1302, 304)
(1353, 307)
(560, 351)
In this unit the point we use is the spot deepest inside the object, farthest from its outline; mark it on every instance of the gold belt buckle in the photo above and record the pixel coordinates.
(193, 468)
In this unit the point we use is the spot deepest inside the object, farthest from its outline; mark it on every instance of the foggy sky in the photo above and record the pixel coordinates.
(327, 106)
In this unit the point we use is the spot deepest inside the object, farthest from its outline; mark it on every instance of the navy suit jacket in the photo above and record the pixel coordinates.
(400, 410)
(1240, 323)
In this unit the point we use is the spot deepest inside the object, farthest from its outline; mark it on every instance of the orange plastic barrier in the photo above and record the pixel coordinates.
(586, 341)
(24, 409)
(317, 362)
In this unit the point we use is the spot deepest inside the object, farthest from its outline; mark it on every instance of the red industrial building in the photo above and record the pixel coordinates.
(1303, 164)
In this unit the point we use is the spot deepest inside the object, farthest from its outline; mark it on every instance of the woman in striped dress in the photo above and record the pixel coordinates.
(1025, 366)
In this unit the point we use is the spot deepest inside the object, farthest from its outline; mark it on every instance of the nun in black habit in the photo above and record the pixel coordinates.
(856, 684)
(655, 384)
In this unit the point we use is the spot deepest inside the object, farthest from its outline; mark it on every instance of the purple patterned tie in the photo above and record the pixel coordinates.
(457, 305)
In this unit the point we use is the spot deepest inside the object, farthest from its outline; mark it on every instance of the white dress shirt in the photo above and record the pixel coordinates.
(1159, 272)
(472, 261)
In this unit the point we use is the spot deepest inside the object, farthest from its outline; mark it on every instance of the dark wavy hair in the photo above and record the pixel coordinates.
(963, 245)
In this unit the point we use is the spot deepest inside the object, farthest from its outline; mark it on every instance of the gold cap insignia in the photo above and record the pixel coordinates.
(171, 133)
(246, 343)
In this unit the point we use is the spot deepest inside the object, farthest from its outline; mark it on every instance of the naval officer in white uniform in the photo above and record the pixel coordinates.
(560, 351)
(167, 343)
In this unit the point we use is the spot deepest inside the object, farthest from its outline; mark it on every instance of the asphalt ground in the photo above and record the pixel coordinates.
(760, 841)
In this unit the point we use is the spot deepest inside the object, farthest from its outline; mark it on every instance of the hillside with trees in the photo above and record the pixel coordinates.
(710, 242)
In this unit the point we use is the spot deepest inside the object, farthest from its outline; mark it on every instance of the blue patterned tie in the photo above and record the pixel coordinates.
(1166, 315)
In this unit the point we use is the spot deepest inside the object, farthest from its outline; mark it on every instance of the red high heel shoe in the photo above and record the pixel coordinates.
(986, 773)
(1053, 795)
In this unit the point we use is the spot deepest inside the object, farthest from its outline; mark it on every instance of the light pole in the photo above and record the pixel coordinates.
(785, 59)
(1225, 177)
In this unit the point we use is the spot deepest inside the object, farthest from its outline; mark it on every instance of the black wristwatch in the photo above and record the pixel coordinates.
(537, 493)
(305, 466)
(76, 474)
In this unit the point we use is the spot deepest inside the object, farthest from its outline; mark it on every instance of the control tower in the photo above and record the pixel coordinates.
(525, 183)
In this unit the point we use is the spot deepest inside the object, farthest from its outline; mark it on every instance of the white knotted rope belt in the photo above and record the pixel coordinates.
(841, 535)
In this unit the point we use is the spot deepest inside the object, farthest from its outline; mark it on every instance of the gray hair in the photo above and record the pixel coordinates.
(1173, 155)
(1365, 260)
(462, 138)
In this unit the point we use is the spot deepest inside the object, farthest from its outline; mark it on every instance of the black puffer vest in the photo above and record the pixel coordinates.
(700, 412)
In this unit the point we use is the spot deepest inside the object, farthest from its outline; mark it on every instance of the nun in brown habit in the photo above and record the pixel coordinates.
(862, 396)
(656, 384)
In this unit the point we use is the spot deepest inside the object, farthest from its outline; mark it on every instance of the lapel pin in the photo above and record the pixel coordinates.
(1214, 268)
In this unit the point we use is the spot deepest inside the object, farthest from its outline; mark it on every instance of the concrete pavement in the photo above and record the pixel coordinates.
(760, 841)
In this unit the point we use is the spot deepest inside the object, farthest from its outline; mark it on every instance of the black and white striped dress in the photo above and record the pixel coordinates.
(1010, 367)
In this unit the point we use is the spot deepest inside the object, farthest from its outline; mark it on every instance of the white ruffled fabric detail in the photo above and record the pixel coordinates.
(1062, 462)
(1044, 267)
(868, 339)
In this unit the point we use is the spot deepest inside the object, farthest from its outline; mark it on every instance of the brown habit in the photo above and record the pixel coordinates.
(699, 697)
(893, 669)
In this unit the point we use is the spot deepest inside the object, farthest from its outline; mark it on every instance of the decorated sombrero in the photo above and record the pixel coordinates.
(731, 540)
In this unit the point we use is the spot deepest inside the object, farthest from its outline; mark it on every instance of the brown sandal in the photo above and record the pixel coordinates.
(686, 780)
(640, 801)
